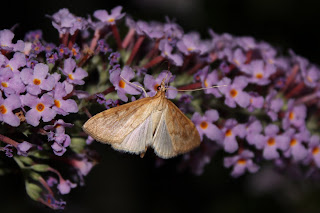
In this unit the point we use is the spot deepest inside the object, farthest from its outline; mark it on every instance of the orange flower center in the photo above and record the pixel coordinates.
(49, 200)
(233, 93)
(40, 107)
(206, 83)
(156, 87)
(61, 50)
(190, 48)
(4, 84)
(309, 79)
(36, 81)
(241, 161)
(315, 150)
(259, 75)
(111, 20)
(57, 103)
(3, 109)
(236, 62)
(122, 84)
(204, 125)
(74, 52)
(291, 115)
(293, 142)
(228, 133)
(271, 141)
(8, 65)
(70, 76)
(270, 61)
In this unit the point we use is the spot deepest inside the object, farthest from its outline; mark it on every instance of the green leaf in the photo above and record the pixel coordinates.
(124, 55)
(312, 125)
(40, 167)
(51, 66)
(38, 154)
(95, 60)
(33, 190)
(78, 144)
(26, 160)
(4, 171)
(183, 79)
(103, 77)
(33, 175)
(26, 132)
(19, 162)
(196, 104)
(144, 61)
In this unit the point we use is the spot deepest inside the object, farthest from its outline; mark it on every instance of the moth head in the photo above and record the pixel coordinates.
(162, 86)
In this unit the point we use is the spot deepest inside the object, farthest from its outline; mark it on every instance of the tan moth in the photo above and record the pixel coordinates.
(148, 122)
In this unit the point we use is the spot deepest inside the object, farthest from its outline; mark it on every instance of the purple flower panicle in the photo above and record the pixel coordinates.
(264, 110)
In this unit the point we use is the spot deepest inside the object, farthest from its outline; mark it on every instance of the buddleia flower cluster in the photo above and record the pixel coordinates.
(265, 110)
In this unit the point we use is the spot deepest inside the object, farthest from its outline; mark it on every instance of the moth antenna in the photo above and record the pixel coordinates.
(145, 93)
(165, 78)
(185, 90)
(168, 80)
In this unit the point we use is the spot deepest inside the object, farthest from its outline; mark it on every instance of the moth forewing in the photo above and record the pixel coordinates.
(162, 143)
(113, 125)
(183, 133)
(137, 140)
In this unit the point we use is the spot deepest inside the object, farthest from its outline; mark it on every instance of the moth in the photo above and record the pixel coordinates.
(148, 122)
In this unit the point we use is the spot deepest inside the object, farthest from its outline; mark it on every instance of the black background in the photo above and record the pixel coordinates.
(126, 183)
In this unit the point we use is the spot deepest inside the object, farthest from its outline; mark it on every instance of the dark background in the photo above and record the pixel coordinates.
(126, 183)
